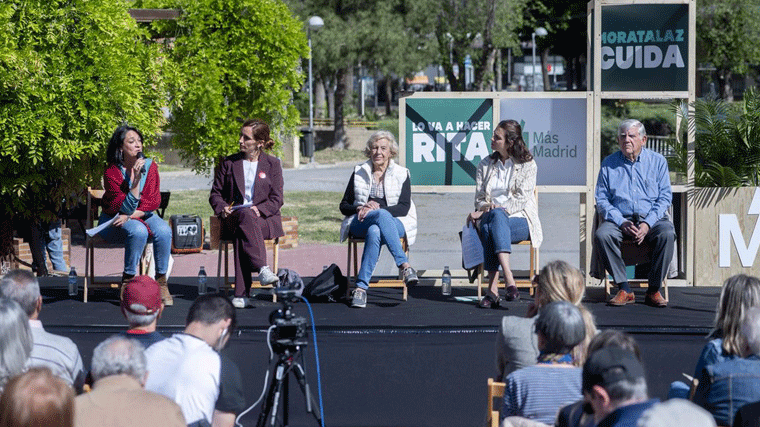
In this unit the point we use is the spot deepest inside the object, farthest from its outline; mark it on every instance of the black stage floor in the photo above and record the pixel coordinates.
(420, 362)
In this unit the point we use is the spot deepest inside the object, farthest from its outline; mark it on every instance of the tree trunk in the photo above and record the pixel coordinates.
(544, 70)
(388, 94)
(726, 91)
(7, 254)
(340, 94)
(319, 100)
(498, 70)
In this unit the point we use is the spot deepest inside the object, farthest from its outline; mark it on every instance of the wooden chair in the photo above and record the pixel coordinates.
(94, 201)
(224, 246)
(495, 391)
(532, 268)
(353, 246)
(632, 254)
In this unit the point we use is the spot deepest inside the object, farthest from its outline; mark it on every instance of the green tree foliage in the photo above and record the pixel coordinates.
(229, 60)
(728, 37)
(727, 142)
(70, 72)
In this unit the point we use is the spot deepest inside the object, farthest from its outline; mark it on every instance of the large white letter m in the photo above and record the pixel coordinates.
(728, 229)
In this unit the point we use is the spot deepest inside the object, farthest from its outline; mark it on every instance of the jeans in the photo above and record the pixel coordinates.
(134, 235)
(497, 233)
(46, 237)
(378, 227)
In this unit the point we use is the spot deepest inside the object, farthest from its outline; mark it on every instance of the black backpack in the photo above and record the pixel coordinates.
(329, 286)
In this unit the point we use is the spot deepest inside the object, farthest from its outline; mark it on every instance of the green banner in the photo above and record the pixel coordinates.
(446, 139)
(645, 47)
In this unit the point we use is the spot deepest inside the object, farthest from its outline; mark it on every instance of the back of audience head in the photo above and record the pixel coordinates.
(119, 355)
(21, 286)
(738, 295)
(141, 301)
(751, 332)
(212, 310)
(37, 398)
(15, 340)
(560, 281)
(560, 327)
(612, 338)
(613, 377)
(675, 412)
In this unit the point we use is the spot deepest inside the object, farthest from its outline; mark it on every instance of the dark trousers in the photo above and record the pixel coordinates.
(661, 238)
(248, 233)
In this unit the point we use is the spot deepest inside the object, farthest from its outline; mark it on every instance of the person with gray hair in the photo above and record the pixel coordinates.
(633, 195)
(56, 352)
(119, 371)
(141, 305)
(537, 392)
(726, 386)
(378, 207)
(15, 340)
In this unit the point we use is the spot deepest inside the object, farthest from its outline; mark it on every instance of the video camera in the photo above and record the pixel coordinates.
(290, 330)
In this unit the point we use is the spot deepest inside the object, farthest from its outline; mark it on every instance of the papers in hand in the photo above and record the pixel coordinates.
(472, 249)
(95, 230)
(244, 205)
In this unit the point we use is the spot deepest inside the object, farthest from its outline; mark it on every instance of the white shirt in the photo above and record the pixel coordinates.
(249, 169)
(500, 190)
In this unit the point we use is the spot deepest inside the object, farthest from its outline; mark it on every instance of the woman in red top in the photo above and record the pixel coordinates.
(132, 193)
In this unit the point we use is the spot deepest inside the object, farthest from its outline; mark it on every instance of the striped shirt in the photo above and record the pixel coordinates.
(58, 353)
(538, 392)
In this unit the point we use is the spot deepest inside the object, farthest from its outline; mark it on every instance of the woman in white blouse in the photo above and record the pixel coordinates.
(505, 207)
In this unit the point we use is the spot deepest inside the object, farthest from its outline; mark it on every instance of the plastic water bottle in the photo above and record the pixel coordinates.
(73, 288)
(446, 281)
(202, 281)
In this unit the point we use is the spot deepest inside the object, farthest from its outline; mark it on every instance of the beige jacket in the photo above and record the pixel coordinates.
(522, 184)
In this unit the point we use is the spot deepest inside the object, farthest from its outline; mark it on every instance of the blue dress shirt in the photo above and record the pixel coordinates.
(624, 187)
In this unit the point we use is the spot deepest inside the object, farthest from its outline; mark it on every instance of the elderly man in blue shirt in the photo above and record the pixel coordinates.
(632, 196)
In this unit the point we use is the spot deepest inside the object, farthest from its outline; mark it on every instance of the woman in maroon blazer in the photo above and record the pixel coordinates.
(247, 196)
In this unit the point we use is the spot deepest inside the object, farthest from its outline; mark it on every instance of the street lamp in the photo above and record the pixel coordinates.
(315, 23)
(541, 32)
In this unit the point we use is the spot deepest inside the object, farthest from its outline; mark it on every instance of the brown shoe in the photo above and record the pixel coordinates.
(655, 300)
(125, 278)
(166, 296)
(622, 298)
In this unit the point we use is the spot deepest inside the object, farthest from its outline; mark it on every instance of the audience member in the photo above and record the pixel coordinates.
(748, 416)
(517, 342)
(141, 305)
(615, 387)
(726, 386)
(738, 295)
(56, 352)
(37, 398)
(15, 340)
(188, 369)
(676, 412)
(579, 414)
(538, 391)
(118, 398)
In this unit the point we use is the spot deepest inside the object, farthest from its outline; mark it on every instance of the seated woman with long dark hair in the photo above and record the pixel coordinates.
(132, 193)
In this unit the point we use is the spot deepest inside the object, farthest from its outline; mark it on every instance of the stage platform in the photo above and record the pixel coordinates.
(420, 362)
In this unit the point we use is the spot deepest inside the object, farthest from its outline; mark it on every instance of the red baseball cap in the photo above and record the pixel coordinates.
(142, 295)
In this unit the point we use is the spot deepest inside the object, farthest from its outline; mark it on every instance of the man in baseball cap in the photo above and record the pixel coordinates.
(141, 305)
(614, 385)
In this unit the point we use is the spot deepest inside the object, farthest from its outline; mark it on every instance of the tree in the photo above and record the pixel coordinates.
(229, 60)
(70, 72)
(728, 37)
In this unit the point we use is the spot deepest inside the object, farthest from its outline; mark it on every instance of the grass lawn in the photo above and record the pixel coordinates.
(328, 156)
(318, 215)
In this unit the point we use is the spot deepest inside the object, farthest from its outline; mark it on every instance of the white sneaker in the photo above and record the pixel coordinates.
(239, 302)
(266, 277)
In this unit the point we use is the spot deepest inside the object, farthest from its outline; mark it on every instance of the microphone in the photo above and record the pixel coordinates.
(636, 218)
(140, 155)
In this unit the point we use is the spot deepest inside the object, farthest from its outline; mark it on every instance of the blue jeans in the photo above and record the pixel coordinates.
(134, 235)
(497, 233)
(378, 227)
(48, 239)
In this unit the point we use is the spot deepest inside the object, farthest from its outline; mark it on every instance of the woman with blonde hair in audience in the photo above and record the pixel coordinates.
(739, 293)
(517, 342)
(15, 340)
(37, 398)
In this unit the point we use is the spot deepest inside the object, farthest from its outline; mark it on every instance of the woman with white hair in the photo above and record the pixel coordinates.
(378, 207)
(15, 340)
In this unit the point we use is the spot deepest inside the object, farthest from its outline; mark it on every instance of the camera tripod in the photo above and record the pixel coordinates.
(278, 390)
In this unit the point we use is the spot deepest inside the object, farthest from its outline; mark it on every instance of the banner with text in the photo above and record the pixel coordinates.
(555, 131)
(446, 139)
(645, 47)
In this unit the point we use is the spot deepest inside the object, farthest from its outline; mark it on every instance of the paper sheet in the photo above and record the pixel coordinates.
(95, 230)
(472, 249)
(244, 205)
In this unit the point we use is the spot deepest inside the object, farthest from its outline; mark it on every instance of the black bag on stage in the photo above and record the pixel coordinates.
(187, 234)
(329, 286)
